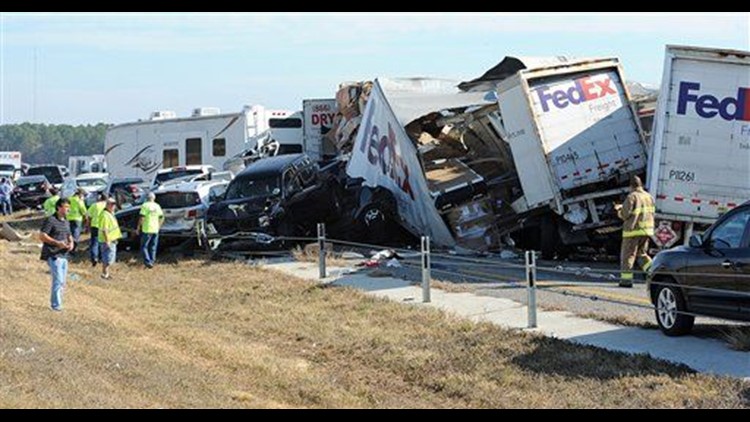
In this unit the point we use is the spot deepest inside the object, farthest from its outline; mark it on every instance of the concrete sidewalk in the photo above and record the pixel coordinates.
(704, 355)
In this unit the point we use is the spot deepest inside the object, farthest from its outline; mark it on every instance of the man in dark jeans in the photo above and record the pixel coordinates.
(58, 241)
(94, 212)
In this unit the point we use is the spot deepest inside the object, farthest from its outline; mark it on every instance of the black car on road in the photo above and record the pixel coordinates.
(710, 276)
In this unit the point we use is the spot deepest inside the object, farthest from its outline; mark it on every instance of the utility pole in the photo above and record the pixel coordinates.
(2, 68)
(33, 115)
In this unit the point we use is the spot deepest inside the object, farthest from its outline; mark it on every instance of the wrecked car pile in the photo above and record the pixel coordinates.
(533, 152)
(287, 195)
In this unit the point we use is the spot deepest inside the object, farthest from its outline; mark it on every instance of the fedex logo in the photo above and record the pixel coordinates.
(708, 106)
(583, 89)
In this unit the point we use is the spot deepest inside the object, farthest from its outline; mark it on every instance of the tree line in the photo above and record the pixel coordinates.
(52, 144)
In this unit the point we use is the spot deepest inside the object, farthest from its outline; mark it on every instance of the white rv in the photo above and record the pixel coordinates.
(139, 149)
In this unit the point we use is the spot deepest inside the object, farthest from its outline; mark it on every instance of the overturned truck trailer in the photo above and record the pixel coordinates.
(442, 198)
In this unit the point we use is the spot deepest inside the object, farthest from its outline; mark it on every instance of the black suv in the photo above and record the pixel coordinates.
(710, 277)
(287, 195)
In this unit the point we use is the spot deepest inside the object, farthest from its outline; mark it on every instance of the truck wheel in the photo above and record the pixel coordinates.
(548, 238)
(669, 303)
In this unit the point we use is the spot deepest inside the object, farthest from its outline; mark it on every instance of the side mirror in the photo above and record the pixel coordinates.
(696, 241)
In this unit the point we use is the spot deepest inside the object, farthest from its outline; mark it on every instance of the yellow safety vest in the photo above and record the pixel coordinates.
(50, 204)
(108, 224)
(77, 209)
(151, 212)
(95, 211)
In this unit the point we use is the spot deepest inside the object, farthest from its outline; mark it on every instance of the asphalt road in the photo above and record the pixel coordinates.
(587, 289)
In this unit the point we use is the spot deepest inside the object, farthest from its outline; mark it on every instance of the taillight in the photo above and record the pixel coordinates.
(194, 213)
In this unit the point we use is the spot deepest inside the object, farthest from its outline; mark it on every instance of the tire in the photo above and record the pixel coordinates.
(668, 302)
(374, 221)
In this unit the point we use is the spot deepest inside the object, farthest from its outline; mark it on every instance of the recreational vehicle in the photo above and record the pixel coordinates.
(139, 149)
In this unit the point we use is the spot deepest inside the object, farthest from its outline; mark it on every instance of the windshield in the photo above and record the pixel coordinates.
(250, 187)
(7, 167)
(177, 199)
(161, 178)
(51, 173)
(86, 183)
(30, 180)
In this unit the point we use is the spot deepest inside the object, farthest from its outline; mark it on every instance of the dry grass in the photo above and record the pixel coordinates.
(220, 334)
(310, 254)
(452, 287)
(624, 320)
(738, 338)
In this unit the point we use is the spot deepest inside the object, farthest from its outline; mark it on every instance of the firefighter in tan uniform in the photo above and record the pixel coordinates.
(637, 214)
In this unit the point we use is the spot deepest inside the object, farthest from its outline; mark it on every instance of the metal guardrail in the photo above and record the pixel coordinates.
(422, 260)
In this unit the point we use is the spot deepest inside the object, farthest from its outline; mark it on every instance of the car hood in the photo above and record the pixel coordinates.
(236, 209)
(93, 189)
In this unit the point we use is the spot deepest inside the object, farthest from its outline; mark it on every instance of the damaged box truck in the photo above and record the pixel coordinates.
(575, 140)
(699, 167)
(436, 194)
(542, 155)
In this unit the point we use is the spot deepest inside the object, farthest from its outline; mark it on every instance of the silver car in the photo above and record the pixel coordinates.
(185, 203)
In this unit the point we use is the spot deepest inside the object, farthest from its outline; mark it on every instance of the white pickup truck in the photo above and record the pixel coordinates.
(699, 163)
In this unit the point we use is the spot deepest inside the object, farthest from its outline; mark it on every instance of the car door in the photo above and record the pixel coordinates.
(742, 282)
(718, 263)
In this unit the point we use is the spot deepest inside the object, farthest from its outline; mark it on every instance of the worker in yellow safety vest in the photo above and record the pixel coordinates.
(76, 216)
(109, 234)
(637, 213)
(94, 212)
(50, 204)
(150, 221)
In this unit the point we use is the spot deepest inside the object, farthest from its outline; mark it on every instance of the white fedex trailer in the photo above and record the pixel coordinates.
(699, 164)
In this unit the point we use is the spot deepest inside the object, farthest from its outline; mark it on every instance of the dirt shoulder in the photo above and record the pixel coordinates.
(199, 333)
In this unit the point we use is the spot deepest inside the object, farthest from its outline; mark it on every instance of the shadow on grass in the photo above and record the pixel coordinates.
(557, 357)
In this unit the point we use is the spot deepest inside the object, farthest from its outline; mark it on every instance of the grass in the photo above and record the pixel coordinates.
(201, 333)
(624, 320)
(310, 254)
(452, 287)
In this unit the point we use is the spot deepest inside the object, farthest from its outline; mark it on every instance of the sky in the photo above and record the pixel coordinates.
(85, 68)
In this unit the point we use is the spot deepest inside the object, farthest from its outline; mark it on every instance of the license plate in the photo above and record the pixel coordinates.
(32, 188)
